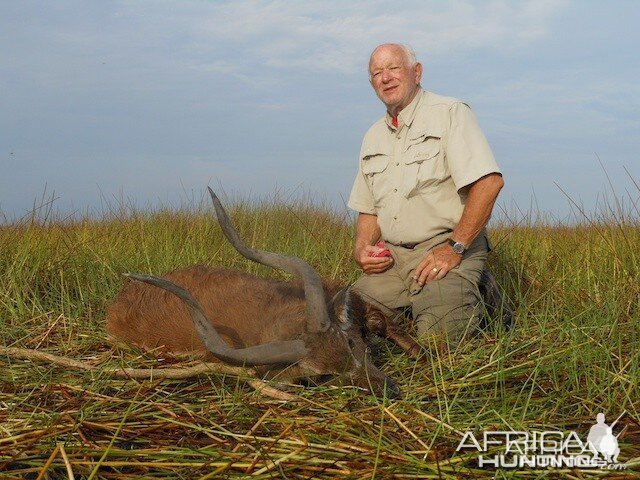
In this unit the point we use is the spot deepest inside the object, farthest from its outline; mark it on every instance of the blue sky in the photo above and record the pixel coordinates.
(152, 101)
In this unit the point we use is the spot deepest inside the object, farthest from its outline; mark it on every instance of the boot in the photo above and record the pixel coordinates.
(496, 308)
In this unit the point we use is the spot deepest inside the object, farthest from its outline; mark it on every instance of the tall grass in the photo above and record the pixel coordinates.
(573, 353)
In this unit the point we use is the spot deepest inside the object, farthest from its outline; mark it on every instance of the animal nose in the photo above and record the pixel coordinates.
(392, 390)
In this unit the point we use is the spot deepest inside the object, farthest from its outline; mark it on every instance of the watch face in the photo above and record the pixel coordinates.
(458, 248)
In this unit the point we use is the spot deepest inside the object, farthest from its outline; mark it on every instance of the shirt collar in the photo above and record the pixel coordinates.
(407, 114)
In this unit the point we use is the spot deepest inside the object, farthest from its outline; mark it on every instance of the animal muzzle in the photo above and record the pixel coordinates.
(376, 382)
(391, 389)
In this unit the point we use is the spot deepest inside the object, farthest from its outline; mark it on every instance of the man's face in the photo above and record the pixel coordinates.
(393, 79)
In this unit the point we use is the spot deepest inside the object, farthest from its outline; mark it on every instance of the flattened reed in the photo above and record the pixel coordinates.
(574, 352)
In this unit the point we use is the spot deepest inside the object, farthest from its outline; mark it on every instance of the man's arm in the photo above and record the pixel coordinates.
(367, 234)
(480, 200)
(477, 211)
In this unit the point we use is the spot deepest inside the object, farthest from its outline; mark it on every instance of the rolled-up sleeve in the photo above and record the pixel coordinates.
(468, 153)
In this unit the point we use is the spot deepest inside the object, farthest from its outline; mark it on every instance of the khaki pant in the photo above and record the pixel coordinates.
(448, 307)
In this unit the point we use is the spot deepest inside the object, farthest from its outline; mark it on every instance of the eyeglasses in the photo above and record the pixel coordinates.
(377, 73)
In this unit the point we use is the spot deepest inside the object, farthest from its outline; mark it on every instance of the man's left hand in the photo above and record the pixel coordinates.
(436, 264)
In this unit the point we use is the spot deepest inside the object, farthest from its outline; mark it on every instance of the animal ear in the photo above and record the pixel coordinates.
(341, 305)
(366, 315)
(386, 323)
(374, 319)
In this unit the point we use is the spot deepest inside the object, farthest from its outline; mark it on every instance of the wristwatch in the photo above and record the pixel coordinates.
(457, 247)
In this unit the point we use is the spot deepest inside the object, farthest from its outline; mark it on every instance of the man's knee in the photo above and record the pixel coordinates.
(382, 288)
(448, 308)
(451, 322)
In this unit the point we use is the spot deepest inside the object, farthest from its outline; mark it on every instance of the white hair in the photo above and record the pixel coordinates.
(408, 52)
(411, 55)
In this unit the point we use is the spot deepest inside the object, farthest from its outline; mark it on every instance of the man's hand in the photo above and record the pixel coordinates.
(370, 260)
(436, 264)
(480, 199)
(367, 255)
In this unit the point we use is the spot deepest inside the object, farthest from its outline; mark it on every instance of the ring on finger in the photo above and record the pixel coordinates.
(435, 270)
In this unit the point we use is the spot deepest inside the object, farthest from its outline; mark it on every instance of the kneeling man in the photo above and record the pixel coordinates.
(426, 186)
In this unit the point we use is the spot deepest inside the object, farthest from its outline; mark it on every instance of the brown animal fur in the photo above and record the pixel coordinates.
(247, 310)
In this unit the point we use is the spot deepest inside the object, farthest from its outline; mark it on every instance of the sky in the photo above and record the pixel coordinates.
(105, 102)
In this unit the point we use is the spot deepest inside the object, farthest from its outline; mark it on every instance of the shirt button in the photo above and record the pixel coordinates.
(395, 189)
(395, 218)
(397, 163)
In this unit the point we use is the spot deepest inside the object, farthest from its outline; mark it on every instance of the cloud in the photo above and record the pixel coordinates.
(336, 35)
(570, 107)
(161, 90)
(77, 46)
(339, 37)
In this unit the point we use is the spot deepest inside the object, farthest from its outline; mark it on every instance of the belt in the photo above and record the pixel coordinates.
(435, 240)
(408, 246)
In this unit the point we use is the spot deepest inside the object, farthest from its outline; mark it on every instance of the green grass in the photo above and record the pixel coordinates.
(574, 352)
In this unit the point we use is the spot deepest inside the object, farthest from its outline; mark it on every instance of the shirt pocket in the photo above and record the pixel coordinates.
(424, 165)
(374, 166)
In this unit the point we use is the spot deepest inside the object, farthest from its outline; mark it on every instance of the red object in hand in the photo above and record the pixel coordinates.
(382, 253)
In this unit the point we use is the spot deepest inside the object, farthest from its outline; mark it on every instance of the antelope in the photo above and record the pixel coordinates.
(314, 332)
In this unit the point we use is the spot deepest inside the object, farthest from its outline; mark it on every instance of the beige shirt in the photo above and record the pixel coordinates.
(415, 177)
